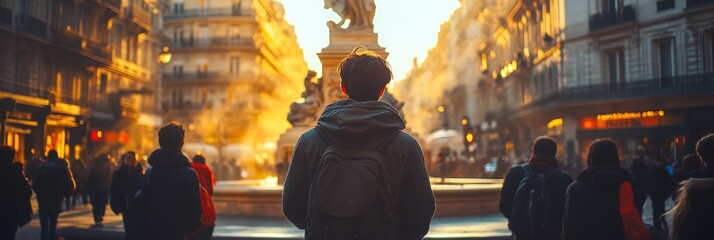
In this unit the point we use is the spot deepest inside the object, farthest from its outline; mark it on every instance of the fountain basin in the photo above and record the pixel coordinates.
(454, 197)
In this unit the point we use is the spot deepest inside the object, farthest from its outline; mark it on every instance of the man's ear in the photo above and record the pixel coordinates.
(343, 89)
(382, 92)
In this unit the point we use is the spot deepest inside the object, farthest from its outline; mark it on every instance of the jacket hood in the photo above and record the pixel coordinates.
(604, 176)
(167, 158)
(349, 121)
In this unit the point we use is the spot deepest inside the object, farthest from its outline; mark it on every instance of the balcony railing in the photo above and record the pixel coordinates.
(32, 25)
(5, 15)
(82, 44)
(213, 12)
(193, 76)
(683, 85)
(213, 42)
(696, 3)
(603, 20)
(23, 89)
(140, 14)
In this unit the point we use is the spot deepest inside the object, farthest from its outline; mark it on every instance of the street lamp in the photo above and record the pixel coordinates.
(165, 56)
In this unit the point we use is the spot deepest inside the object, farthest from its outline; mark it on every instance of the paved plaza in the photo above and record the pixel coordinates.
(77, 224)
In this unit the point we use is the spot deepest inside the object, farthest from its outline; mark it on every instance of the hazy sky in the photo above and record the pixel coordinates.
(407, 28)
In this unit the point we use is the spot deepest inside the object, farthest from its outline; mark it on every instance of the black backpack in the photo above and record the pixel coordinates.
(530, 214)
(53, 180)
(350, 196)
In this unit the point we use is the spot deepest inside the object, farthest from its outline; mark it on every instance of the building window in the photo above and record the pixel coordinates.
(236, 8)
(665, 5)
(615, 69)
(178, 8)
(611, 8)
(235, 65)
(708, 52)
(102, 83)
(178, 70)
(665, 63)
(76, 88)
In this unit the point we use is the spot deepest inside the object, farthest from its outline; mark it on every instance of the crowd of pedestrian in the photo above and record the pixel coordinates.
(176, 201)
(606, 201)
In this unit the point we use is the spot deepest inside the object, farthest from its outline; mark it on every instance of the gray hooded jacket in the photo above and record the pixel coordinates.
(364, 125)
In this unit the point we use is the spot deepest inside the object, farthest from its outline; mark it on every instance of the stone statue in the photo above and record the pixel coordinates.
(359, 12)
(303, 113)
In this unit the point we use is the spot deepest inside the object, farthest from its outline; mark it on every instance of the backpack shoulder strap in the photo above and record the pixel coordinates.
(528, 170)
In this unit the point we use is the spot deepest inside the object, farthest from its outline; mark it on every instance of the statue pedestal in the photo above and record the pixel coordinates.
(286, 143)
(341, 44)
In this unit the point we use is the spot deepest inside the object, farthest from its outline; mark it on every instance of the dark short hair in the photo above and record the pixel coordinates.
(603, 151)
(705, 149)
(7, 154)
(364, 74)
(199, 159)
(52, 155)
(691, 161)
(171, 136)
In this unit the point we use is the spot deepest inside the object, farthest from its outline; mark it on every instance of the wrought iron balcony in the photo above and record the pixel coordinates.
(140, 14)
(194, 76)
(98, 51)
(683, 85)
(212, 42)
(211, 12)
(604, 20)
(32, 25)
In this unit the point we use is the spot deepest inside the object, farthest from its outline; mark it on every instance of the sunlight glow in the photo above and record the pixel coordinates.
(407, 28)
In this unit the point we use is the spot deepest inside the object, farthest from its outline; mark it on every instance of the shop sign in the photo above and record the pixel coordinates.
(652, 118)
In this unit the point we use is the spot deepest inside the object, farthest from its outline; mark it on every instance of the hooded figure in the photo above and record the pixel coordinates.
(173, 192)
(364, 125)
(542, 159)
(595, 201)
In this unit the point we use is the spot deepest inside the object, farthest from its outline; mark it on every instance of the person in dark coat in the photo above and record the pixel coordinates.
(100, 180)
(14, 192)
(705, 150)
(52, 182)
(363, 122)
(594, 201)
(125, 182)
(639, 170)
(660, 189)
(542, 160)
(692, 213)
(174, 200)
(690, 164)
(79, 171)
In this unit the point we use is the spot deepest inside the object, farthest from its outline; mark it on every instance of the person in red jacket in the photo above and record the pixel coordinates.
(205, 175)
(207, 180)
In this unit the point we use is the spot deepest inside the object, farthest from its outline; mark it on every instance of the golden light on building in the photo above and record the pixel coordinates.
(469, 137)
(464, 121)
(558, 122)
(440, 108)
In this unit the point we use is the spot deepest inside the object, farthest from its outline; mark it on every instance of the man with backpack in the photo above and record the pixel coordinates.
(356, 175)
(533, 194)
(52, 183)
(171, 202)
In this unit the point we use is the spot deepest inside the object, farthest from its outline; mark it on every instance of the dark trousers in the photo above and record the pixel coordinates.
(657, 212)
(8, 230)
(640, 198)
(98, 212)
(48, 224)
(205, 232)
